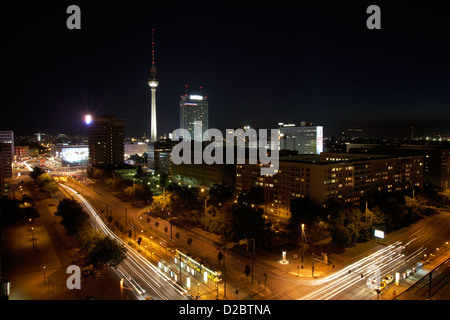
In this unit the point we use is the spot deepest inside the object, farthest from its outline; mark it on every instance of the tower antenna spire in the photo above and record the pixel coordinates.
(153, 48)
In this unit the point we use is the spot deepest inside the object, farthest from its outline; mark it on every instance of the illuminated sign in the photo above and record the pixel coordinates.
(319, 140)
(195, 97)
(379, 234)
(75, 155)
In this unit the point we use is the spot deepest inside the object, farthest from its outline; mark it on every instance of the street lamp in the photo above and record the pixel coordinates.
(303, 240)
(121, 288)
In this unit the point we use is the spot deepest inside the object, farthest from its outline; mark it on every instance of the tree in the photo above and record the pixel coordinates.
(36, 172)
(163, 202)
(164, 180)
(303, 211)
(73, 216)
(46, 183)
(105, 252)
(139, 172)
(220, 193)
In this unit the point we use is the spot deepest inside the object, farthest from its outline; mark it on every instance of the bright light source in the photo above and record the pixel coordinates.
(195, 97)
(379, 234)
(88, 119)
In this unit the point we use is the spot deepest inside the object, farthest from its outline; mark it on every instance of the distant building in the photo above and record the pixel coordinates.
(21, 152)
(436, 158)
(106, 141)
(306, 139)
(194, 108)
(203, 174)
(6, 157)
(138, 147)
(344, 178)
(159, 158)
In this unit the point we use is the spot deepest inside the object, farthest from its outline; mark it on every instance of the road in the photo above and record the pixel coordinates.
(141, 278)
(425, 240)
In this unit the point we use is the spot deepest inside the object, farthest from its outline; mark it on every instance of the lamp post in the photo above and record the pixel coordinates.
(121, 288)
(303, 232)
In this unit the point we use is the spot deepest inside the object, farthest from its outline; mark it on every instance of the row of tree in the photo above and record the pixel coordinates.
(43, 180)
(130, 190)
(98, 250)
(217, 210)
(349, 224)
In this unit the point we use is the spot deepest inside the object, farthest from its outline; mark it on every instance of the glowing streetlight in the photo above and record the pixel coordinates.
(88, 119)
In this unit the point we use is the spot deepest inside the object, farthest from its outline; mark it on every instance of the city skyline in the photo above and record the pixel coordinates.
(257, 64)
(310, 157)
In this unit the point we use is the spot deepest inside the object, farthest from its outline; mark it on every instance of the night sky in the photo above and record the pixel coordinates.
(258, 62)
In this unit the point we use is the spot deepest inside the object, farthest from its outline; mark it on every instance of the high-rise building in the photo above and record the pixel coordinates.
(306, 139)
(6, 157)
(153, 83)
(194, 108)
(106, 141)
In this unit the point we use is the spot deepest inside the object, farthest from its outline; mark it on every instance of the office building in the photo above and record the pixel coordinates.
(6, 158)
(305, 139)
(159, 156)
(194, 108)
(106, 141)
(203, 174)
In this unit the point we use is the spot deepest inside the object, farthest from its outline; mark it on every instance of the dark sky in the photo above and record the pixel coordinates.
(261, 62)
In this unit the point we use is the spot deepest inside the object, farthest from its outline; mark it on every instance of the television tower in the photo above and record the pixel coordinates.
(153, 83)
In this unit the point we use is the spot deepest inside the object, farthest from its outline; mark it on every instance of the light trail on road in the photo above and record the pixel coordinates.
(382, 262)
(138, 273)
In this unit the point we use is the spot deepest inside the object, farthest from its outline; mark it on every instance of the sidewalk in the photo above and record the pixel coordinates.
(26, 251)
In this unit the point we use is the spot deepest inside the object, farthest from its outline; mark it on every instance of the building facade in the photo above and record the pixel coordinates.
(305, 139)
(343, 178)
(436, 158)
(6, 157)
(106, 141)
(159, 156)
(194, 108)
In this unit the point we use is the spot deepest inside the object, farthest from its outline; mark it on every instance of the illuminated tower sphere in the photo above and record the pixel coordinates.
(153, 83)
